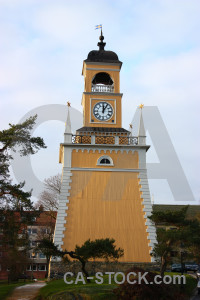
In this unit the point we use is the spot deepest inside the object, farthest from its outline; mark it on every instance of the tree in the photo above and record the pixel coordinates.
(172, 240)
(49, 197)
(100, 248)
(15, 136)
(48, 203)
(15, 203)
(192, 240)
(46, 232)
(14, 242)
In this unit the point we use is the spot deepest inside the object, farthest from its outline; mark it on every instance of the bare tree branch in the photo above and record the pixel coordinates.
(49, 198)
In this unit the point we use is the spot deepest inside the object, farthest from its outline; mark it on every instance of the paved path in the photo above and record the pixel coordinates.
(196, 296)
(26, 292)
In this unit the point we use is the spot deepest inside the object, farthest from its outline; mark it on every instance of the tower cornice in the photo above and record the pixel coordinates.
(103, 94)
(85, 63)
(107, 146)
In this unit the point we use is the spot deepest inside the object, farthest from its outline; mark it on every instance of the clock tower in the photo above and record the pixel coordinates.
(101, 97)
(105, 191)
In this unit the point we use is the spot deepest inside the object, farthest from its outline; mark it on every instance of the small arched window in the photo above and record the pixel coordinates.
(105, 161)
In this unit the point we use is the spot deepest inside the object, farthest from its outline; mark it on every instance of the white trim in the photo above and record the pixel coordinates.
(146, 202)
(103, 94)
(105, 147)
(106, 170)
(63, 198)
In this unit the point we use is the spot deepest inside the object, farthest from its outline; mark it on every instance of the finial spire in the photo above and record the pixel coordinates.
(141, 106)
(141, 129)
(101, 44)
(152, 199)
(68, 122)
(131, 129)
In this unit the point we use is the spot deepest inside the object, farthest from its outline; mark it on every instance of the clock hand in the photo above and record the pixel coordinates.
(105, 107)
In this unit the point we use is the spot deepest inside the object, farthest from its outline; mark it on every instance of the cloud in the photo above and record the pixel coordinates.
(43, 44)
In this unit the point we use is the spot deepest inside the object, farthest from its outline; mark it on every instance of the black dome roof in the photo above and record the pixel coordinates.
(102, 55)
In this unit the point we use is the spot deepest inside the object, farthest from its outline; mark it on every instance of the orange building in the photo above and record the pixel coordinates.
(105, 192)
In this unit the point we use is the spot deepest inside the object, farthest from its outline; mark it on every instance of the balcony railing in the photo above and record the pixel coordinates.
(102, 88)
(132, 140)
(102, 140)
(81, 139)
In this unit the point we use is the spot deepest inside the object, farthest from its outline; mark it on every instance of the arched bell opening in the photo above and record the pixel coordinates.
(102, 82)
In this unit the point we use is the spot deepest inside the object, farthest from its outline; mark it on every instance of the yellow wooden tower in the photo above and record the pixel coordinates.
(105, 192)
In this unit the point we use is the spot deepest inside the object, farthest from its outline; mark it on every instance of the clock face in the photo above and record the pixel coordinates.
(103, 111)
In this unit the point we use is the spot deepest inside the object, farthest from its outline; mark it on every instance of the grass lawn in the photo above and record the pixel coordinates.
(190, 285)
(58, 289)
(6, 289)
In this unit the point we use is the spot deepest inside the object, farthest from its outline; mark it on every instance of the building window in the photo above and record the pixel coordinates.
(45, 230)
(41, 267)
(28, 268)
(34, 267)
(31, 268)
(33, 243)
(32, 230)
(105, 161)
(33, 255)
(42, 256)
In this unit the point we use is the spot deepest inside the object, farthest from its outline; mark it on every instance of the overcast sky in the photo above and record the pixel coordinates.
(42, 48)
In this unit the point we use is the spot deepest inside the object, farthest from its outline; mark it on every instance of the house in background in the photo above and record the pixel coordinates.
(36, 266)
